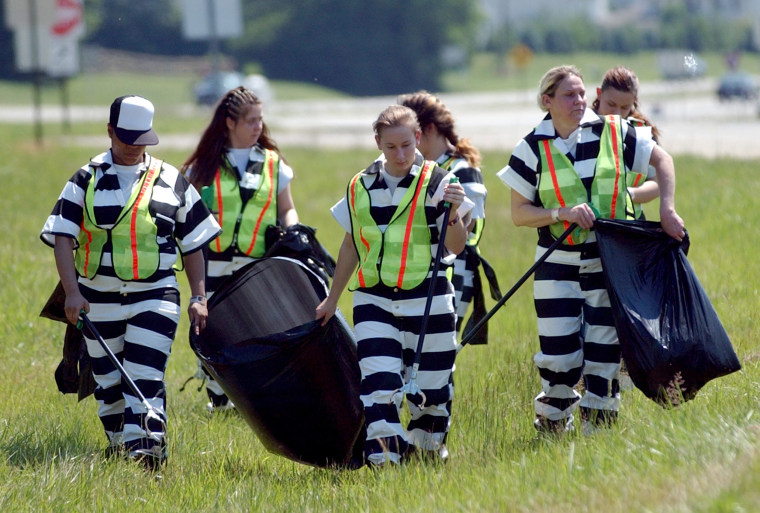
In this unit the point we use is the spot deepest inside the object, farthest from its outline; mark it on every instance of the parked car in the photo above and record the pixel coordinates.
(214, 85)
(737, 85)
(260, 87)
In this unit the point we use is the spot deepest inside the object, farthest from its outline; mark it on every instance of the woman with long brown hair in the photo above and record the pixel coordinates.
(440, 142)
(619, 95)
(244, 180)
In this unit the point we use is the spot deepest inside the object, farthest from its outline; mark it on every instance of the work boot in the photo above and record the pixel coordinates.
(435, 456)
(553, 427)
(217, 406)
(152, 459)
(593, 419)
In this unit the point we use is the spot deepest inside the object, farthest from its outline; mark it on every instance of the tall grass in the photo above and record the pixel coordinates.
(703, 456)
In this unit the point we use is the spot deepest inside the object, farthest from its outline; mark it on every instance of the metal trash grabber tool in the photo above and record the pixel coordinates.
(411, 387)
(470, 334)
(151, 411)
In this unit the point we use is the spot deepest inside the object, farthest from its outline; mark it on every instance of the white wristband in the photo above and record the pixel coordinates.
(198, 299)
(555, 215)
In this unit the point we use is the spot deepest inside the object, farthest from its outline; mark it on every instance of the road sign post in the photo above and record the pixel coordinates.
(46, 42)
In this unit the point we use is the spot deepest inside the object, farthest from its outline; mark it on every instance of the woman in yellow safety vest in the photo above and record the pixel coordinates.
(619, 95)
(440, 142)
(245, 181)
(118, 228)
(392, 214)
(570, 169)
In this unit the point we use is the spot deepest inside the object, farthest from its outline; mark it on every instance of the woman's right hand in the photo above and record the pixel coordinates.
(325, 310)
(74, 304)
(582, 215)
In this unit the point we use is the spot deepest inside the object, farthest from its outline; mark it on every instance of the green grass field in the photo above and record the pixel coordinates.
(703, 456)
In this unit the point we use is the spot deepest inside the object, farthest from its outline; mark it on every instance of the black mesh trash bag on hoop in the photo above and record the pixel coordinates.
(671, 338)
(295, 382)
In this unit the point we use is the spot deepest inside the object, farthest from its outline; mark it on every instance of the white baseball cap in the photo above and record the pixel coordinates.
(132, 120)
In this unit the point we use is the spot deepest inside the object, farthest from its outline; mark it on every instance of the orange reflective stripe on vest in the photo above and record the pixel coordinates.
(86, 247)
(616, 157)
(220, 206)
(270, 171)
(410, 219)
(360, 274)
(557, 189)
(133, 218)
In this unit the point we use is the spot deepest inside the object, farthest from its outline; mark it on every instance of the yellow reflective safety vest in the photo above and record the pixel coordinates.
(244, 225)
(134, 252)
(401, 256)
(560, 186)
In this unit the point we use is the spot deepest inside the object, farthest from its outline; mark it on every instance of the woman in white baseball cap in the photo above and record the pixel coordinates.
(117, 229)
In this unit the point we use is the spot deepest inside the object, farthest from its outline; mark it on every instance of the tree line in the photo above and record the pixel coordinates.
(379, 46)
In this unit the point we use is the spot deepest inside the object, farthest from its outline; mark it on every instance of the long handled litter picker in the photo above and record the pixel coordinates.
(411, 387)
(151, 411)
(470, 334)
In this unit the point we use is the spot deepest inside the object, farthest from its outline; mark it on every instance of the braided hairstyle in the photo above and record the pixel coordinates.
(209, 153)
(625, 80)
(431, 110)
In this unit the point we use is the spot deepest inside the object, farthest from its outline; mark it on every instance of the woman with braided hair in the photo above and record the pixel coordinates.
(439, 142)
(238, 165)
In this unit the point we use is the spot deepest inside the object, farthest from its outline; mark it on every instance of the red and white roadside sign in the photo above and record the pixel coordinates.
(46, 34)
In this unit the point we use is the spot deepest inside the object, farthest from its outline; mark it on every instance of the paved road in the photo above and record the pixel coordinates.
(689, 115)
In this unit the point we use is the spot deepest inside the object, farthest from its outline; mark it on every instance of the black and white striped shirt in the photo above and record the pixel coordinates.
(183, 222)
(524, 169)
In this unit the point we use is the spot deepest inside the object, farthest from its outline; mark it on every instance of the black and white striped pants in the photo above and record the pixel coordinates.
(387, 325)
(576, 334)
(139, 328)
(462, 278)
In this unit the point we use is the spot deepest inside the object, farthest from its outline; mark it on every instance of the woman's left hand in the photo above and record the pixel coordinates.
(198, 314)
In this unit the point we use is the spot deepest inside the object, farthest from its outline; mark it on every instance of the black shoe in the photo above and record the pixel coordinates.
(113, 451)
(436, 456)
(152, 459)
(354, 463)
(553, 427)
(594, 419)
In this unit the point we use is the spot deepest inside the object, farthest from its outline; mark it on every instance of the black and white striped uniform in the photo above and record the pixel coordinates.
(220, 266)
(575, 326)
(387, 324)
(464, 267)
(138, 319)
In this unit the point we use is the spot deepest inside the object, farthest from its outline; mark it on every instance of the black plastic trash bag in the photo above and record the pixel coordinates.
(299, 241)
(74, 373)
(670, 335)
(296, 383)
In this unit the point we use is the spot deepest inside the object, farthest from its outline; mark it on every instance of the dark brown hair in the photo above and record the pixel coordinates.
(625, 80)
(431, 110)
(208, 155)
